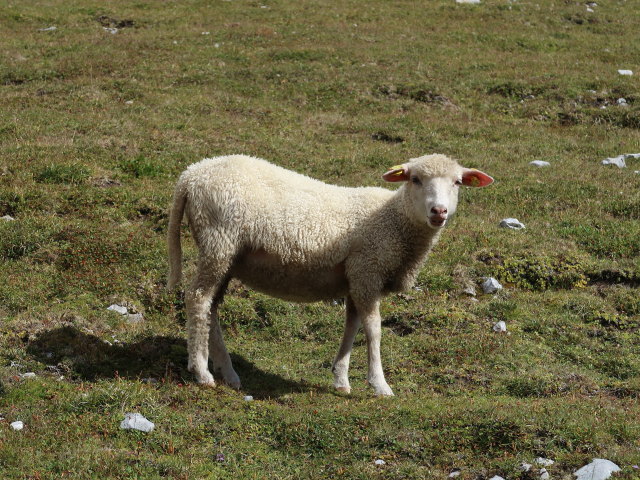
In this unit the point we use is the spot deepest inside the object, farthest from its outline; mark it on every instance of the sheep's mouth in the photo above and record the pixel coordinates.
(437, 222)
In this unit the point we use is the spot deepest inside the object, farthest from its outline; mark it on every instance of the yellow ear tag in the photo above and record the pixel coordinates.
(397, 167)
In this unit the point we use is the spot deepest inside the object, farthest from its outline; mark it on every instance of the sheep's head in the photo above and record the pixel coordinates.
(431, 186)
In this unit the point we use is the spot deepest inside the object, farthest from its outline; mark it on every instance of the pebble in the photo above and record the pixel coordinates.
(625, 72)
(135, 318)
(524, 466)
(474, 2)
(496, 477)
(617, 161)
(598, 469)
(28, 375)
(110, 30)
(622, 102)
(512, 223)
(544, 475)
(545, 462)
(491, 285)
(135, 421)
(17, 425)
(455, 473)
(539, 163)
(380, 462)
(500, 327)
(118, 308)
(7, 218)
(248, 398)
(48, 29)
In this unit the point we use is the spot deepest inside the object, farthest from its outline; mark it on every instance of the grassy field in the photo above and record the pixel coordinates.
(96, 126)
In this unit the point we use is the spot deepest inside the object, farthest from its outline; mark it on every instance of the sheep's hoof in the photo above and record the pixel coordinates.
(233, 381)
(205, 379)
(344, 389)
(383, 390)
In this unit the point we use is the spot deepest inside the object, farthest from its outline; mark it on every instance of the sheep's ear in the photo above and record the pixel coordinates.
(399, 173)
(475, 178)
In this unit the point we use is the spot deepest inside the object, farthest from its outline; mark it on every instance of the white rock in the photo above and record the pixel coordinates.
(475, 2)
(524, 466)
(380, 462)
(110, 30)
(545, 462)
(621, 101)
(512, 223)
(635, 156)
(17, 425)
(455, 473)
(135, 421)
(48, 29)
(500, 327)
(28, 375)
(491, 285)
(599, 469)
(8, 218)
(589, 9)
(617, 161)
(625, 72)
(118, 308)
(496, 477)
(637, 171)
(539, 163)
(544, 475)
(248, 398)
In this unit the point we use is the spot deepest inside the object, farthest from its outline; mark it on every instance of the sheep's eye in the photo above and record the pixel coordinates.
(458, 182)
(416, 180)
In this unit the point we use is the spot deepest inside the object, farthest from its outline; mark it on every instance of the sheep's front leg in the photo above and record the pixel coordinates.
(341, 363)
(371, 321)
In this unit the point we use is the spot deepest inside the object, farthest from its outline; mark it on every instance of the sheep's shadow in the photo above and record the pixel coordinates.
(84, 356)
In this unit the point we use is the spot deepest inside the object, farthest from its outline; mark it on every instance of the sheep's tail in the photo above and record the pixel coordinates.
(173, 236)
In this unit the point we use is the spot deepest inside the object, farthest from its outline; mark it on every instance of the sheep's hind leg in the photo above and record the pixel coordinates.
(341, 363)
(217, 349)
(198, 299)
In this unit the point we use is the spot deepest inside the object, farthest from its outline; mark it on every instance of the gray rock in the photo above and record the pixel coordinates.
(475, 2)
(135, 318)
(380, 462)
(524, 466)
(544, 475)
(599, 469)
(248, 398)
(491, 285)
(496, 477)
(617, 161)
(625, 72)
(501, 327)
(28, 375)
(512, 223)
(545, 462)
(7, 218)
(135, 421)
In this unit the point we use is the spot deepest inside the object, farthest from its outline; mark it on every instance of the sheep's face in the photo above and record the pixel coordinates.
(432, 185)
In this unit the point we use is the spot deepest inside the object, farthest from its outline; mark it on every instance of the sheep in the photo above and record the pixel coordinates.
(299, 239)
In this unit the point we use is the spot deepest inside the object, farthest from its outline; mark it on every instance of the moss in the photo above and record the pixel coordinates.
(542, 272)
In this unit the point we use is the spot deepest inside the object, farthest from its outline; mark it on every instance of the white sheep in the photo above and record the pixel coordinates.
(300, 239)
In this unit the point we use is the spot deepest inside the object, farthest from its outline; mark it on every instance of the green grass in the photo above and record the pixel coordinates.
(95, 128)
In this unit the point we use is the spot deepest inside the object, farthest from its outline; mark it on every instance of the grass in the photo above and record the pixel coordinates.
(95, 127)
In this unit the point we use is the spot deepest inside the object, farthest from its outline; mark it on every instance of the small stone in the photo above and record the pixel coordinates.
(8, 218)
(539, 163)
(469, 290)
(617, 161)
(456, 472)
(474, 2)
(220, 458)
(18, 425)
(380, 462)
(129, 102)
(512, 223)
(110, 30)
(590, 10)
(491, 285)
(48, 29)
(496, 477)
(598, 469)
(544, 475)
(28, 375)
(248, 398)
(622, 102)
(524, 466)
(118, 308)
(545, 462)
(500, 327)
(135, 421)
(625, 72)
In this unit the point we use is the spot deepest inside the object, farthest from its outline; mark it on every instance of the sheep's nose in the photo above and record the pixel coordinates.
(440, 211)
